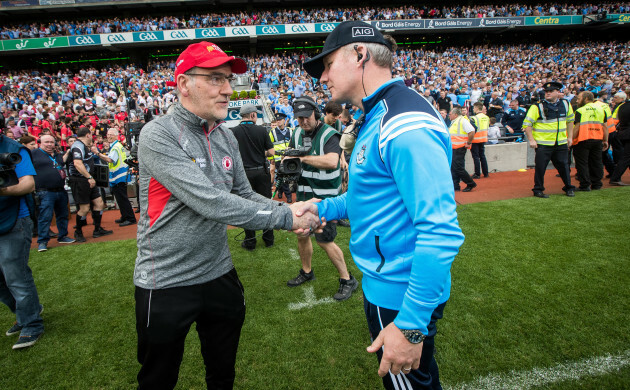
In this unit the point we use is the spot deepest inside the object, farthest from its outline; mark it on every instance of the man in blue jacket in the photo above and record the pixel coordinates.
(400, 202)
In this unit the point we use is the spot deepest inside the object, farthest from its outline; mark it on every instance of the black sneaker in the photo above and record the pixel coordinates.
(78, 237)
(346, 288)
(344, 223)
(14, 329)
(100, 232)
(247, 247)
(540, 194)
(26, 341)
(119, 220)
(301, 278)
(570, 193)
(475, 176)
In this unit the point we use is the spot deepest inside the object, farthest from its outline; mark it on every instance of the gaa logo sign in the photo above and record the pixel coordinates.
(116, 38)
(362, 32)
(328, 27)
(299, 28)
(208, 33)
(179, 34)
(240, 31)
(147, 37)
(87, 40)
(270, 30)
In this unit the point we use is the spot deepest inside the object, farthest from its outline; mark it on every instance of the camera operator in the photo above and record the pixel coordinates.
(321, 178)
(255, 146)
(17, 287)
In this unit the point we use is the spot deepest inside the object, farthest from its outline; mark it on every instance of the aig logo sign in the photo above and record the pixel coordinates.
(362, 32)
(116, 38)
(240, 31)
(179, 35)
(147, 37)
(298, 28)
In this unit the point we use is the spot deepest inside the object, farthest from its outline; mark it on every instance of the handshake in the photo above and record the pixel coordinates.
(306, 218)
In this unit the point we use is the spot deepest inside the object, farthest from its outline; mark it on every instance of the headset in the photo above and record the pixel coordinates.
(305, 100)
(360, 56)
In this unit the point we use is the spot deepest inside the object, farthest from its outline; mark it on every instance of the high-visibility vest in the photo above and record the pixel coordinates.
(119, 172)
(317, 182)
(459, 137)
(614, 119)
(278, 146)
(591, 124)
(549, 127)
(482, 122)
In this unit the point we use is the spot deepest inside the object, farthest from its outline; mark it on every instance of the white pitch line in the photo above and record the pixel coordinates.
(545, 376)
(294, 254)
(309, 300)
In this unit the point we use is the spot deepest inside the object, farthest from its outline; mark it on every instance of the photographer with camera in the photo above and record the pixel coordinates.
(17, 287)
(280, 136)
(255, 146)
(321, 178)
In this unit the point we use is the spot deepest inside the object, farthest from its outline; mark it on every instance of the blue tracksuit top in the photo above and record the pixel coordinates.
(401, 205)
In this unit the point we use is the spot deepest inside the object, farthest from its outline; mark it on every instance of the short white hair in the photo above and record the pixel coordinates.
(621, 95)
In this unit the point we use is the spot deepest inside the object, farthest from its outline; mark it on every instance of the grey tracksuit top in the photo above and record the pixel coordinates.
(192, 185)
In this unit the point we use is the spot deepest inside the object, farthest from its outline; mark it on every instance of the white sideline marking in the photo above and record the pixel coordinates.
(294, 254)
(309, 300)
(545, 376)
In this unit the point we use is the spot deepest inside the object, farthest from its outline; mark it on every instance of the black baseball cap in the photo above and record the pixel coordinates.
(552, 86)
(343, 34)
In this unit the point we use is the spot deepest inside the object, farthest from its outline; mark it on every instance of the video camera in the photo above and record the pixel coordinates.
(289, 170)
(132, 134)
(8, 161)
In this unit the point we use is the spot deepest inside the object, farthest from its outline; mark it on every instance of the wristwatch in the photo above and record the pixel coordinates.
(414, 336)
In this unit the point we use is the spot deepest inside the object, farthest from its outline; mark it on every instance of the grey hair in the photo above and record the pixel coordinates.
(621, 95)
(456, 111)
(381, 55)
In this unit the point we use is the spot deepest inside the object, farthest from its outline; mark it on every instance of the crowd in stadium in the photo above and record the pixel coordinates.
(285, 16)
(33, 101)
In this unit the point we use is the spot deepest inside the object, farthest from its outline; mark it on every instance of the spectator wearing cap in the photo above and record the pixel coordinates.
(549, 128)
(255, 146)
(192, 185)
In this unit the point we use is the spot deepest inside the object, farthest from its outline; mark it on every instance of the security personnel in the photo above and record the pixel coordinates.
(601, 102)
(590, 137)
(462, 135)
(481, 123)
(254, 145)
(280, 136)
(623, 135)
(119, 177)
(549, 128)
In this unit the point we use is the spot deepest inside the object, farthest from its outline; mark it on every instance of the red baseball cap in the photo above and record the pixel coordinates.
(206, 55)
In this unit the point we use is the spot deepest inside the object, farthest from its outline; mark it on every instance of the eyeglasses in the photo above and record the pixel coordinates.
(215, 79)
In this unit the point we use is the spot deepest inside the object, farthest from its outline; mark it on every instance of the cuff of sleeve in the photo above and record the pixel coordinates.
(413, 316)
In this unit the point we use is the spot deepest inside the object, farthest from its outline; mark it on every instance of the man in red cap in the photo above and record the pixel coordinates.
(192, 185)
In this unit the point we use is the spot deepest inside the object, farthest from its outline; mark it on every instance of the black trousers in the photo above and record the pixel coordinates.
(623, 164)
(458, 168)
(427, 376)
(260, 181)
(164, 317)
(478, 151)
(559, 156)
(588, 162)
(617, 151)
(120, 194)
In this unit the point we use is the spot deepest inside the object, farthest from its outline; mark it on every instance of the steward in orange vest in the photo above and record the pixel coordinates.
(590, 137)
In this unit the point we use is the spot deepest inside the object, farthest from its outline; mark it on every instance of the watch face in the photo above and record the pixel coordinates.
(413, 335)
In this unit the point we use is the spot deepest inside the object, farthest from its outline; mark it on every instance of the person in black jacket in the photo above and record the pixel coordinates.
(623, 130)
(255, 146)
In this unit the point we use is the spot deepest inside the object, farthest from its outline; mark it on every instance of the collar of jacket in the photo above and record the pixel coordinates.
(371, 101)
(193, 121)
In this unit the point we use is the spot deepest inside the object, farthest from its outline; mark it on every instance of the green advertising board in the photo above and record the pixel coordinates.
(35, 43)
(552, 20)
(619, 18)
